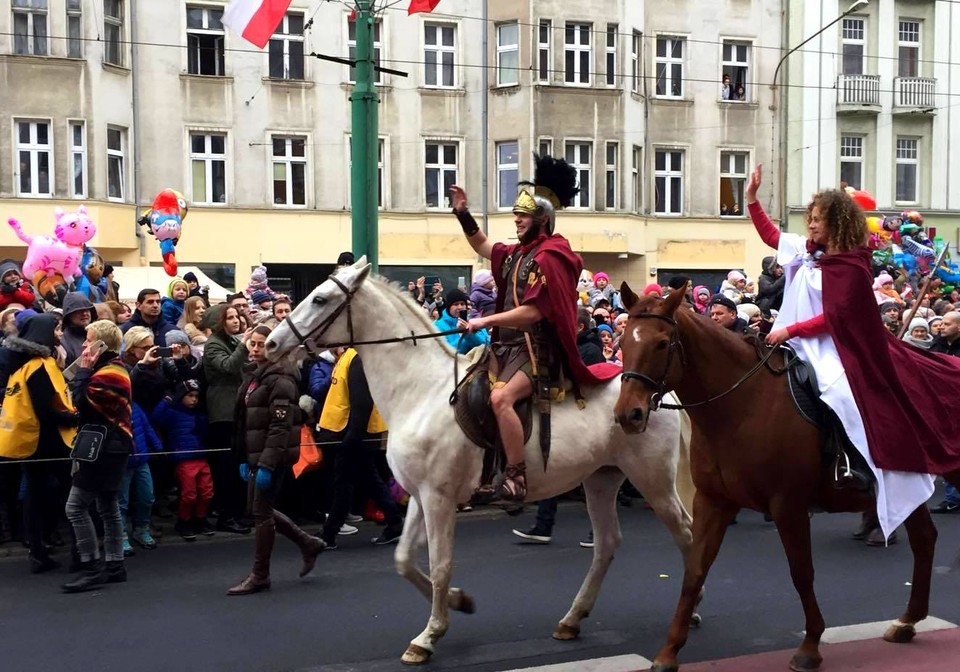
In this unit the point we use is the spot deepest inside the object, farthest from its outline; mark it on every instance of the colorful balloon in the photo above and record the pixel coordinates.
(165, 222)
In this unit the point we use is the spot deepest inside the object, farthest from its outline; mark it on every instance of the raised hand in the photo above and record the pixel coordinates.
(458, 198)
(753, 184)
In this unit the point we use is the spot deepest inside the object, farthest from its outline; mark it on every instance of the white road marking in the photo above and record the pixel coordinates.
(861, 631)
(627, 663)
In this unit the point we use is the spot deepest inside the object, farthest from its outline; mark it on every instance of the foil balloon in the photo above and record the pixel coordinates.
(874, 224)
(862, 198)
(165, 222)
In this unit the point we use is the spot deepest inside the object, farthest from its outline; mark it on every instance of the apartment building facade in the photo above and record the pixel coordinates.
(113, 100)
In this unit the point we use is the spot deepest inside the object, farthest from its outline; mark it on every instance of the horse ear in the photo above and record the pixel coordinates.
(364, 271)
(627, 296)
(361, 262)
(674, 301)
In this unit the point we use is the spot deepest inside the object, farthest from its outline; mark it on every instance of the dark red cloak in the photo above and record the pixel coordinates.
(553, 290)
(906, 396)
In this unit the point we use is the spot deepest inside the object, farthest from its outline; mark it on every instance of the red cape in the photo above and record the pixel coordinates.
(905, 394)
(554, 292)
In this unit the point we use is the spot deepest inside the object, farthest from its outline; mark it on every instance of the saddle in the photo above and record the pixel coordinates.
(836, 449)
(471, 407)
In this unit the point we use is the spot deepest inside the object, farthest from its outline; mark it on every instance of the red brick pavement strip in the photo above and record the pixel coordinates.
(937, 651)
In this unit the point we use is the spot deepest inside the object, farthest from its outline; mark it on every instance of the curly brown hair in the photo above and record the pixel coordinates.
(847, 225)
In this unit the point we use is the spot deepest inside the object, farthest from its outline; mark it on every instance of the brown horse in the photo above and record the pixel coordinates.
(750, 448)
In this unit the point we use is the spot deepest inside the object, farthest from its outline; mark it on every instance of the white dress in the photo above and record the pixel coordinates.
(898, 492)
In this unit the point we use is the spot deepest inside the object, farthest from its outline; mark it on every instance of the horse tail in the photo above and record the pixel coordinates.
(15, 225)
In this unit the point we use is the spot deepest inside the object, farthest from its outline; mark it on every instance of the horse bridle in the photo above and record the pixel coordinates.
(660, 386)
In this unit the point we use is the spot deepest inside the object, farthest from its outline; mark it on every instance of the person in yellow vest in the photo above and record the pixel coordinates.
(350, 417)
(38, 422)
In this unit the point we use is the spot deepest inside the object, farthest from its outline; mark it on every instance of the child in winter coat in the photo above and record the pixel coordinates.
(183, 429)
(13, 288)
(172, 304)
(145, 441)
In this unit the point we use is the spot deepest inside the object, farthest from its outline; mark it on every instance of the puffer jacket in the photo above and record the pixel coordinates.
(223, 360)
(145, 439)
(182, 428)
(268, 417)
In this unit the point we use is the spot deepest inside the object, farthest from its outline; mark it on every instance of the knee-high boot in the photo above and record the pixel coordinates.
(259, 579)
(310, 546)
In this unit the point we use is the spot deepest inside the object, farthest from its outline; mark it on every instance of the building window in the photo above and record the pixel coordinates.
(286, 49)
(578, 156)
(377, 49)
(545, 36)
(545, 146)
(736, 57)
(441, 172)
(34, 157)
(113, 32)
(289, 170)
(439, 55)
(30, 27)
(205, 41)
(733, 180)
(508, 54)
(116, 156)
(612, 39)
(909, 53)
(668, 181)
(208, 165)
(508, 167)
(74, 29)
(381, 169)
(635, 45)
(670, 67)
(908, 173)
(851, 161)
(78, 159)
(613, 150)
(635, 182)
(577, 53)
(854, 41)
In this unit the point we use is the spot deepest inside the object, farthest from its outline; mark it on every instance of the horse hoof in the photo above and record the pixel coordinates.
(462, 602)
(695, 621)
(900, 633)
(804, 663)
(565, 633)
(663, 667)
(415, 655)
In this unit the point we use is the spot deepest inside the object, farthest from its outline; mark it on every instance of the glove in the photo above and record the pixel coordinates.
(264, 478)
(245, 471)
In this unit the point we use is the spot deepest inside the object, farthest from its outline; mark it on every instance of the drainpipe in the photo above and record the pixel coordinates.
(135, 98)
(485, 133)
(949, 95)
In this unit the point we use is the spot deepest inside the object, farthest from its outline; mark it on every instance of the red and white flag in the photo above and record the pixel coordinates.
(255, 20)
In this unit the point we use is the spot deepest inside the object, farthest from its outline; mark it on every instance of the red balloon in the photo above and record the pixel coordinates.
(864, 200)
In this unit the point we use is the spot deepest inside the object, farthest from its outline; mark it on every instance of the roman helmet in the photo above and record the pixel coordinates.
(553, 187)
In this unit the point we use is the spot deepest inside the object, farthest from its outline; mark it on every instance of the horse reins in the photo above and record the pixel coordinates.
(660, 386)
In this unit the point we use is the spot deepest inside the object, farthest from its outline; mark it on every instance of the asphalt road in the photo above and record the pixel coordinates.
(355, 614)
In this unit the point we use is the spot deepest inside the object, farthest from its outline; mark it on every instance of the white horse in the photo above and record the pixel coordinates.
(411, 381)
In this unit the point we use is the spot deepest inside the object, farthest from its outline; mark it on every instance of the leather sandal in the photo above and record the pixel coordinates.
(514, 485)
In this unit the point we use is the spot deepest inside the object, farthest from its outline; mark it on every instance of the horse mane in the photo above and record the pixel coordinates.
(399, 292)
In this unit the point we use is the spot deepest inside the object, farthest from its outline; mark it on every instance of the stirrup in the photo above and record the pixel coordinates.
(513, 488)
(845, 477)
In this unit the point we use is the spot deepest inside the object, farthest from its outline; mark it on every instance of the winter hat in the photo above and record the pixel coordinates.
(701, 289)
(180, 390)
(622, 317)
(39, 328)
(174, 283)
(735, 276)
(22, 317)
(887, 305)
(653, 289)
(260, 296)
(482, 277)
(605, 327)
(918, 322)
(882, 280)
(601, 276)
(455, 296)
(176, 336)
(190, 276)
(723, 301)
(748, 310)
(8, 266)
(346, 259)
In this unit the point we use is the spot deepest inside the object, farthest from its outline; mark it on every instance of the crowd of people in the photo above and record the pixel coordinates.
(116, 419)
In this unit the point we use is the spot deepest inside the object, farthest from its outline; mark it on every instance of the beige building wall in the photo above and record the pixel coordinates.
(243, 226)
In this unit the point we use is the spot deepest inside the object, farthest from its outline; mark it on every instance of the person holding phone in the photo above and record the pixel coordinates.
(454, 316)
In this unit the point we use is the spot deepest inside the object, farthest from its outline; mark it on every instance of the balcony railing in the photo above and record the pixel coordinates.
(914, 92)
(858, 90)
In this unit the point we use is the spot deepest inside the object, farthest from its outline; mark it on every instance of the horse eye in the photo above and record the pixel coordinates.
(319, 300)
(662, 344)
